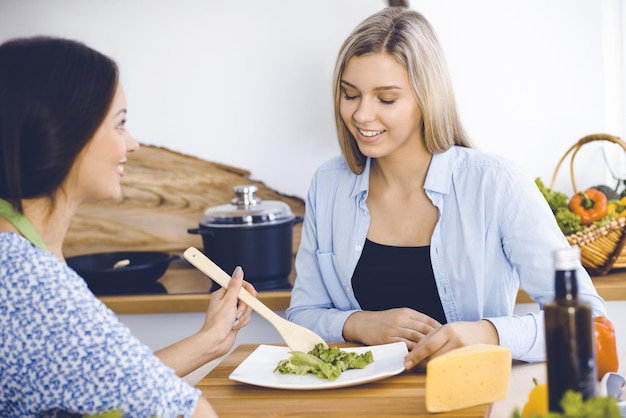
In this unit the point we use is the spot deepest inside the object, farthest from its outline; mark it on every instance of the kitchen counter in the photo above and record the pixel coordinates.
(156, 211)
(188, 291)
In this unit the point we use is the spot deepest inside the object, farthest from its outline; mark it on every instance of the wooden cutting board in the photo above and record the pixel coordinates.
(164, 194)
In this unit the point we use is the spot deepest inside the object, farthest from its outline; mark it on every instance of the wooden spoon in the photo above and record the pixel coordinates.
(297, 337)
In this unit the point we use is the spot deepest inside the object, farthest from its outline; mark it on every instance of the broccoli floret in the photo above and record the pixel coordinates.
(556, 200)
(568, 221)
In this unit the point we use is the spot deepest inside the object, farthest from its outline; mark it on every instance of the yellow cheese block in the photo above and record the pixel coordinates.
(467, 376)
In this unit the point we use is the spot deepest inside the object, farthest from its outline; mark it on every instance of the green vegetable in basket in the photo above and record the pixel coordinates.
(622, 193)
(568, 222)
(555, 199)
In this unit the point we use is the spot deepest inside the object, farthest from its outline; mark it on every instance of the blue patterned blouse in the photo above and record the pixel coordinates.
(61, 348)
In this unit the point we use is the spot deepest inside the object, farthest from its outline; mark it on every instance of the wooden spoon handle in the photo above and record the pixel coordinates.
(208, 267)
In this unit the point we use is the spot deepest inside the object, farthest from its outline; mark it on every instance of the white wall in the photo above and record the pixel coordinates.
(174, 327)
(616, 311)
(157, 331)
(179, 326)
(247, 83)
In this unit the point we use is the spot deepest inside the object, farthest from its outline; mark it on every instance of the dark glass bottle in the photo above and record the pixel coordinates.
(569, 334)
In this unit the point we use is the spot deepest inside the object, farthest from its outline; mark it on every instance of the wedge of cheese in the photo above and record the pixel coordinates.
(467, 376)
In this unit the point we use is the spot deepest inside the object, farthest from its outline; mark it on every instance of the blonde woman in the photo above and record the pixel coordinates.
(412, 234)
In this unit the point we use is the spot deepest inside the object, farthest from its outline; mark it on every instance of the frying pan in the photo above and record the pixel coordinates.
(121, 269)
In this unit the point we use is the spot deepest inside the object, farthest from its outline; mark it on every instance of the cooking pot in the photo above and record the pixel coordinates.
(113, 272)
(252, 233)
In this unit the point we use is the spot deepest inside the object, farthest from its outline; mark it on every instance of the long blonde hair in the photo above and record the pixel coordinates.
(408, 37)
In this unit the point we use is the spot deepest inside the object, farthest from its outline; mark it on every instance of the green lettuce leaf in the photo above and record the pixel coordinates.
(325, 363)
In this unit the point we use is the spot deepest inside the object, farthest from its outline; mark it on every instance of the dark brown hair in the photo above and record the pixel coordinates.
(54, 93)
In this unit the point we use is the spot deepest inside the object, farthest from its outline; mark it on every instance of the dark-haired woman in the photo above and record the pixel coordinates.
(63, 141)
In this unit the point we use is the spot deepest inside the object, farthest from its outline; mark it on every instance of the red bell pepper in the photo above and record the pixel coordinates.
(607, 359)
(591, 205)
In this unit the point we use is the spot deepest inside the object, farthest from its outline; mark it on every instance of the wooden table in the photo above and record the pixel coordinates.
(397, 396)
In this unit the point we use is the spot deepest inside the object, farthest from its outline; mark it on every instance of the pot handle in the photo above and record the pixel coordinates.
(297, 220)
(202, 231)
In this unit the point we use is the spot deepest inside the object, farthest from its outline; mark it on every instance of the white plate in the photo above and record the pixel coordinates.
(258, 368)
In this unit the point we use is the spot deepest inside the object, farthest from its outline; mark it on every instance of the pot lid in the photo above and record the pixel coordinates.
(247, 209)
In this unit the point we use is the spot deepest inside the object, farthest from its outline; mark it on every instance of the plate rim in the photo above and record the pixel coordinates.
(326, 383)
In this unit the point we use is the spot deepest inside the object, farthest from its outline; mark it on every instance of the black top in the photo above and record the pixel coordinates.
(396, 277)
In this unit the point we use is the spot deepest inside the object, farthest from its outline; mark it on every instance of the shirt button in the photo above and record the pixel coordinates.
(358, 248)
(348, 289)
(365, 213)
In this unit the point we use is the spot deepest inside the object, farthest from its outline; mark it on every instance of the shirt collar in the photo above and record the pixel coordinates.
(362, 183)
(439, 176)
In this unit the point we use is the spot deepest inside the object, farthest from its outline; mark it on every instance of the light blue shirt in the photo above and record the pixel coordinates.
(495, 232)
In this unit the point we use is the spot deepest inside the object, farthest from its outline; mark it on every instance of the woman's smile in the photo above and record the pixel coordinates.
(369, 134)
(119, 168)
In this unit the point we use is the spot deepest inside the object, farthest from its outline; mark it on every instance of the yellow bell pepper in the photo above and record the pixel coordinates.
(537, 401)
(621, 208)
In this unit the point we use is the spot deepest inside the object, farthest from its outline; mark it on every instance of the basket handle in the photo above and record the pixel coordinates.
(576, 147)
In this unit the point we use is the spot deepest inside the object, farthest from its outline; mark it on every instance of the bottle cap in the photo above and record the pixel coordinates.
(567, 258)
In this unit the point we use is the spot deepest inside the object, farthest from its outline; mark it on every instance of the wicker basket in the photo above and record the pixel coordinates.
(601, 247)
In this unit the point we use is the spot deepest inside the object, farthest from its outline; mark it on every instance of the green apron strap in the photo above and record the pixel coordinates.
(22, 223)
